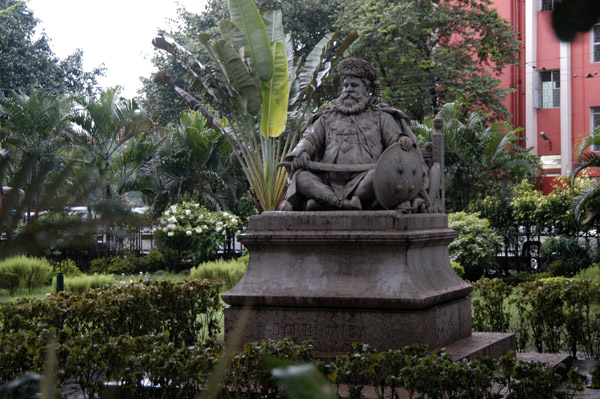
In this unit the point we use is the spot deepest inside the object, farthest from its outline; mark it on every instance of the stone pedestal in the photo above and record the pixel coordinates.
(378, 277)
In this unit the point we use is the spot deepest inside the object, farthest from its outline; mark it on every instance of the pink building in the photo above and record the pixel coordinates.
(557, 87)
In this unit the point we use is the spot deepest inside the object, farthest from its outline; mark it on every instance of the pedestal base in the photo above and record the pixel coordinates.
(335, 330)
(377, 277)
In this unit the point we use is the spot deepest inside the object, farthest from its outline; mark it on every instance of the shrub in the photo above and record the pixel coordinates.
(68, 236)
(188, 309)
(99, 265)
(521, 277)
(458, 269)
(30, 272)
(81, 283)
(591, 273)
(476, 247)
(189, 231)
(154, 261)
(119, 265)
(558, 313)
(490, 307)
(227, 271)
(9, 281)
(565, 256)
(66, 267)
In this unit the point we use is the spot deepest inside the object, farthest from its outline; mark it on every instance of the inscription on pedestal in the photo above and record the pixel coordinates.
(303, 331)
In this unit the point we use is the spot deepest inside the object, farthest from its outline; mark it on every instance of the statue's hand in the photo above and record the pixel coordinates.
(406, 143)
(301, 161)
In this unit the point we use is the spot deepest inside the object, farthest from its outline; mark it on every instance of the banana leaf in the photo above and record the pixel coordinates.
(275, 94)
(246, 18)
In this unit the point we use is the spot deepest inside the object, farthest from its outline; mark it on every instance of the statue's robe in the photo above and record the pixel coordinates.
(333, 137)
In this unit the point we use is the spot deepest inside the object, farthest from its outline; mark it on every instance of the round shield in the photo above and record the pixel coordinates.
(398, 176)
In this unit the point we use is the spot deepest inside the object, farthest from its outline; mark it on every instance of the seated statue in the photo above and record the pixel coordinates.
(357, 154)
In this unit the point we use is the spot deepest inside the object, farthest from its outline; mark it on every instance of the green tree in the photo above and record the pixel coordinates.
(196, 160)
(481, 158)
(36, 131)
(107, 124)
(431, 52)
(26, 62)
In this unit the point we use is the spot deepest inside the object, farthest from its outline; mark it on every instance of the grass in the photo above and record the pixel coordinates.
(227, 271)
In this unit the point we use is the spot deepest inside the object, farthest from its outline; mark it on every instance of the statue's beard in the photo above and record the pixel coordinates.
(351, 104)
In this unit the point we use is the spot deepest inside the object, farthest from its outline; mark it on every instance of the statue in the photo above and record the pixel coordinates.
(358, 154)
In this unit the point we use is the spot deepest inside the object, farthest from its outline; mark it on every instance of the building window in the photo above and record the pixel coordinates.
(596, 43)
(595, 126)
(547, 5)
(550, 93)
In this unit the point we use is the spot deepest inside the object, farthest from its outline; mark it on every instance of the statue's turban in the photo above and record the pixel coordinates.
(359, 68)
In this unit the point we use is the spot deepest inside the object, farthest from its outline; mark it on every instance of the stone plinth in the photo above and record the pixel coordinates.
(377, 277)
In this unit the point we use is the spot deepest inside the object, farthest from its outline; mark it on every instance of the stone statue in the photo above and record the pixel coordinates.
(358, 154)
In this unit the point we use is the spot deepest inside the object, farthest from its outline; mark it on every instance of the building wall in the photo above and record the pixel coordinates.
(579, 87)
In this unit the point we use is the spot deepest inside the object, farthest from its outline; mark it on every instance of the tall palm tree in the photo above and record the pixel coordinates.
(37, 130)
(106, 125)
(586, 206)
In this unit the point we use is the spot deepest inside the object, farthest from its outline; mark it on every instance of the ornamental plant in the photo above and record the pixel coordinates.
(191, 232)
(253, 79)
(477, 244)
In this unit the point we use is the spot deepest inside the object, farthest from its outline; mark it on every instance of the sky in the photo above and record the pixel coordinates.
(116, 33)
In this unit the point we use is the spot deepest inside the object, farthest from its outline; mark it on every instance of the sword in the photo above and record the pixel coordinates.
(328, 167)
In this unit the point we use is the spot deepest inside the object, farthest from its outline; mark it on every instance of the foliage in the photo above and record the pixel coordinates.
(182, 370)
(458, 269)
(592, 274)
(186, 309)
(229, 272)
(27, 61)
(481, 158)
(106, 124)
(153, 261)
(565, 256)
(195, 232)
(68, 240)
(82, 283)
(595, 371)
(195, 160)
(476, 247)
(431, 52)
(255, 82)
(586, 204)
(129, 263)
(307, 21)
(22, 271)
(551, 309)
(490, 307)
(67, 267)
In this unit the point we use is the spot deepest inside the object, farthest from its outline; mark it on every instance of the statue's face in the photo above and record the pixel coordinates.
(353, 90)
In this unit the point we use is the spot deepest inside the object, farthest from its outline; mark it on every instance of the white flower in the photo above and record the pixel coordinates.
(218, 229)
(172, 219)
(198, 230)
(188, 212)
(170, 234)
(163, 221)
(188, 232)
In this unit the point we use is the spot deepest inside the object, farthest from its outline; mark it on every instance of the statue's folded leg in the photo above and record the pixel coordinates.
(311, 186)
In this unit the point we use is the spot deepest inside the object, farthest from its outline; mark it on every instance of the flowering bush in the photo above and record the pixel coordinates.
(191, 232)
